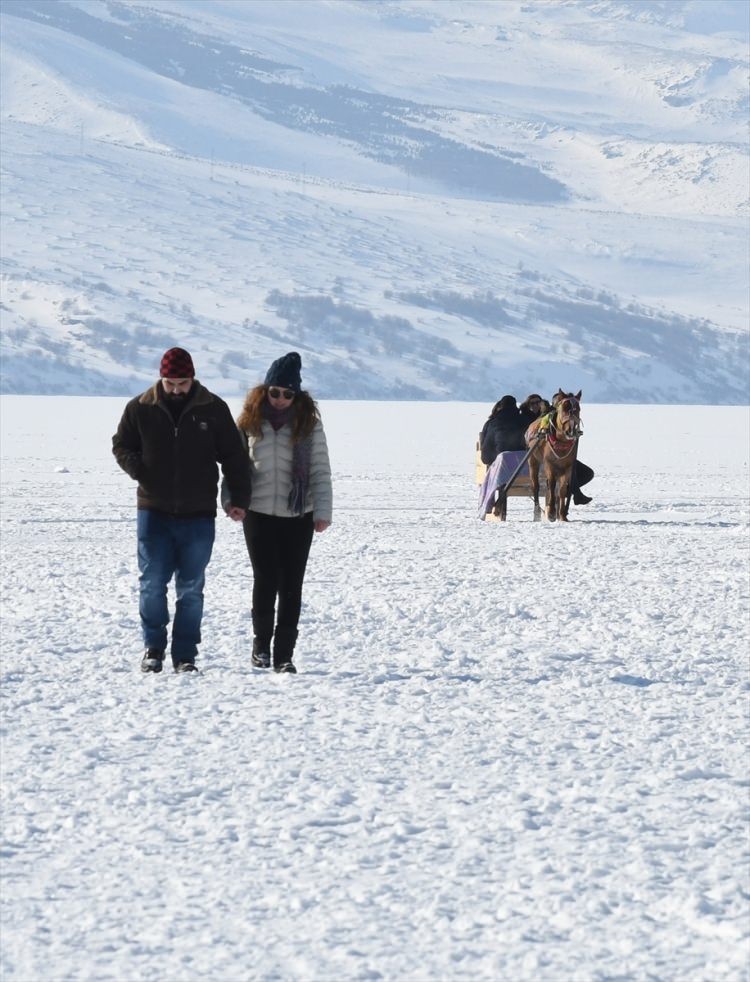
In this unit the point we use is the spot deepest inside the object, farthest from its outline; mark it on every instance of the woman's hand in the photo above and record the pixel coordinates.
(320, 524)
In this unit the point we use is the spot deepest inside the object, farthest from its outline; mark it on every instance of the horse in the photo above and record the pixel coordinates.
(553, 443)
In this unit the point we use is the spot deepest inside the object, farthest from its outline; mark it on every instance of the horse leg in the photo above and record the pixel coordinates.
(550, 503)
(563, 503)
(534, 475)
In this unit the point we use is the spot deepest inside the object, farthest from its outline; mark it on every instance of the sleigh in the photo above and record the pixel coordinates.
(507, 477)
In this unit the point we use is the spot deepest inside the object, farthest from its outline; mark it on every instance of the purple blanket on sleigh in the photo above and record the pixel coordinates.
(498, 473)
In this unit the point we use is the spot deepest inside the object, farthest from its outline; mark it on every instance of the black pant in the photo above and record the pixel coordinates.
(278, 550)
(582, 474)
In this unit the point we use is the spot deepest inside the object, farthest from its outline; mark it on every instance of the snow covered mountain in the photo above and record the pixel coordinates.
(442, 200)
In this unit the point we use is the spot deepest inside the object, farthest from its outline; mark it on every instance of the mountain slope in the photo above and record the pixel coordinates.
(247, 178)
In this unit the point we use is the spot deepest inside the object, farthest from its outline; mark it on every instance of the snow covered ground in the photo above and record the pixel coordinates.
(512, 752)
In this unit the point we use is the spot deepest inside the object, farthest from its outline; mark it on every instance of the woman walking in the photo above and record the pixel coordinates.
(291, 499)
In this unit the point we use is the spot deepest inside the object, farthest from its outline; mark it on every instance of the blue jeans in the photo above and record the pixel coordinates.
(181, 547)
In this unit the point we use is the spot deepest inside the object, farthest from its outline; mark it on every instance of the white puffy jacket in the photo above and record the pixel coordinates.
(271, 464)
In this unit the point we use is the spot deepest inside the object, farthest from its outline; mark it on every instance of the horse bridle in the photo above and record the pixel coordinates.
(567, 410)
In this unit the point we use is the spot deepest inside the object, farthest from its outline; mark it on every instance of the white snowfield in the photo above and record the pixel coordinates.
(512, 752)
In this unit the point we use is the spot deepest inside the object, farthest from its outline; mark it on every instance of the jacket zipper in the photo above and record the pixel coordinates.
(176, 426)
(275, 468)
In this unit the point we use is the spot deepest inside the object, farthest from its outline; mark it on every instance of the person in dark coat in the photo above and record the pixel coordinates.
(169, 440)
(503, 430)
(531, 409)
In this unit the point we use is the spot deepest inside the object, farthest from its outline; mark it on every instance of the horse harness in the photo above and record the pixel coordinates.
(561, 447)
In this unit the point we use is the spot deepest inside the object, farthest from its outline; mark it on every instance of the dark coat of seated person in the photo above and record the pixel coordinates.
(502, 431)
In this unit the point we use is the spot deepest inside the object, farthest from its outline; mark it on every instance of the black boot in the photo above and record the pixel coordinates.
(261, 656)
(152, 661)
(582, 474)
(184, 666)
(263, 631)
(283, 650)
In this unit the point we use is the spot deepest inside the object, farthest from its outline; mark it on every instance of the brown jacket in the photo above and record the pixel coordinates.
(175, 463)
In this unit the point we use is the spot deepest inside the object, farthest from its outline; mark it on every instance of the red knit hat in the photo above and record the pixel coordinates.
(176, 363)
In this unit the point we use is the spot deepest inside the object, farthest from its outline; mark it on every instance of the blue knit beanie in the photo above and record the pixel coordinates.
(285, 372)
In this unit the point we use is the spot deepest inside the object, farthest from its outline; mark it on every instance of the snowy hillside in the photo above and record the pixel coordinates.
(427, 199)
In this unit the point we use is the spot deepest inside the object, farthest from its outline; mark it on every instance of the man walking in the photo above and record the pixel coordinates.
(169, 440)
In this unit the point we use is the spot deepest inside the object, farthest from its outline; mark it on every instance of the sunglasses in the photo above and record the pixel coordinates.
(281, 393)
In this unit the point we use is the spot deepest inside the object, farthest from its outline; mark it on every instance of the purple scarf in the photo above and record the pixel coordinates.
(276, 417)
(301, 453)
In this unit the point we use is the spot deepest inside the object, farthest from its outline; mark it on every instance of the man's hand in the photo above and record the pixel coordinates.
(236, 514)
(320, 524)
